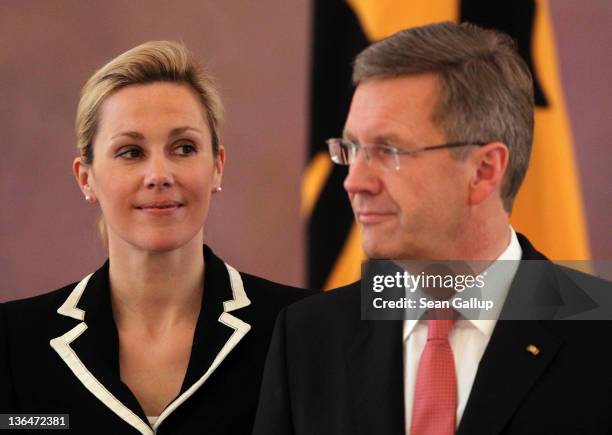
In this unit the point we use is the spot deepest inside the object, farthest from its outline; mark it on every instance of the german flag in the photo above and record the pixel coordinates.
(548, 208)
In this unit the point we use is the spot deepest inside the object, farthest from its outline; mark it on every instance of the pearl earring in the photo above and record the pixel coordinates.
(87, 197)
(217, 189)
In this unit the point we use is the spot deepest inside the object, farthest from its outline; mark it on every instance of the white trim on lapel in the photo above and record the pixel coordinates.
(61, 345)
(69, 307)
(240, 300)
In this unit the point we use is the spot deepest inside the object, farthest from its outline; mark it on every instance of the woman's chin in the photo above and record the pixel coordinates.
(161, 244)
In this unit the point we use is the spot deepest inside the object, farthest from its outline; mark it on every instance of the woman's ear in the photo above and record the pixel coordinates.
(218, 169)
(82, 174)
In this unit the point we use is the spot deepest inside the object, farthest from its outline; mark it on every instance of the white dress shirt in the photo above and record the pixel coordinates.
(468, 338)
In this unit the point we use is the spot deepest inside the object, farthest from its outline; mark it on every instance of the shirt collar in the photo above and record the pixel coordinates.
(512, 252)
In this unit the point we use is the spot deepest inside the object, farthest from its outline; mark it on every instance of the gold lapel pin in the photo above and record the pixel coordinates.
(533, 349)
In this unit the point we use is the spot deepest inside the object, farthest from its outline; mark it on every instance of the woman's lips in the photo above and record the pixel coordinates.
(160, 208)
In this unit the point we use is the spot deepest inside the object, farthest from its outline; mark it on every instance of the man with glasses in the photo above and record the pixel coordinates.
(437, 143)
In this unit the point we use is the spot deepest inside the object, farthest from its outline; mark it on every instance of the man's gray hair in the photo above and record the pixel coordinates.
(486, 89)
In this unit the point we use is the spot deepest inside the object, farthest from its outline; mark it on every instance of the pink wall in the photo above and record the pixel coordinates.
(583, 32)
(259, 52)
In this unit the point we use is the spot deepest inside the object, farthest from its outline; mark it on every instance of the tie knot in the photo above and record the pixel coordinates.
(440, 323)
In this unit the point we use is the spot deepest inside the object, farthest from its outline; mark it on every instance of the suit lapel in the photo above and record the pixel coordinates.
(508, 369)
(91, 348)
(375, 377)
(223, 293)
(210, 335)
(506, 373)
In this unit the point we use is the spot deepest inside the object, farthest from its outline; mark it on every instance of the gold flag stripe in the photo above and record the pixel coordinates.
(381, 18)
(315, 176)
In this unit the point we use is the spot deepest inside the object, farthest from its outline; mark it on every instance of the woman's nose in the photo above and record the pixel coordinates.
(159, 172)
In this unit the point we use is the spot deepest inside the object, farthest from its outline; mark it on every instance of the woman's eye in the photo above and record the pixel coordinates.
(185, 149)
(130, 153)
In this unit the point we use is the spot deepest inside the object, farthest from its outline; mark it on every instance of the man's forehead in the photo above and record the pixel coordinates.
(391, 110)
(379, 137)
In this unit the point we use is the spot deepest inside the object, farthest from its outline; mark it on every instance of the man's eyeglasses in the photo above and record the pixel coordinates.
(344, 152)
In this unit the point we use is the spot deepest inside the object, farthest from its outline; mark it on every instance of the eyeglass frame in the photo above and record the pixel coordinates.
(396, 151)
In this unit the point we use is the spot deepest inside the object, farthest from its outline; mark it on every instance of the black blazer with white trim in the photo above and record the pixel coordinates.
(59, 354)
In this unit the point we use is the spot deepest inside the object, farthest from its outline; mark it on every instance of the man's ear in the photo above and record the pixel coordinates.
(218, 169)
(82, 174)
(490, 164)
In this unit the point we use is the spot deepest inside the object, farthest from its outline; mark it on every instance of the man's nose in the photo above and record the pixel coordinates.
(363, 176)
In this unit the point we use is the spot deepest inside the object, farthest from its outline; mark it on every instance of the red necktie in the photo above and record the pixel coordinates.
(434, 406)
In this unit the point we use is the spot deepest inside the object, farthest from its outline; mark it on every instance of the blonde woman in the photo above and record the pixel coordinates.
(165, 337)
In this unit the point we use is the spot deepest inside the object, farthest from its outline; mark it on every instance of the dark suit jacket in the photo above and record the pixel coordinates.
(59, 354)
(328, 372)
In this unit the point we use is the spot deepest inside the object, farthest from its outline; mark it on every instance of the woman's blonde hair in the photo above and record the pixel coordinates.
(153, 61)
